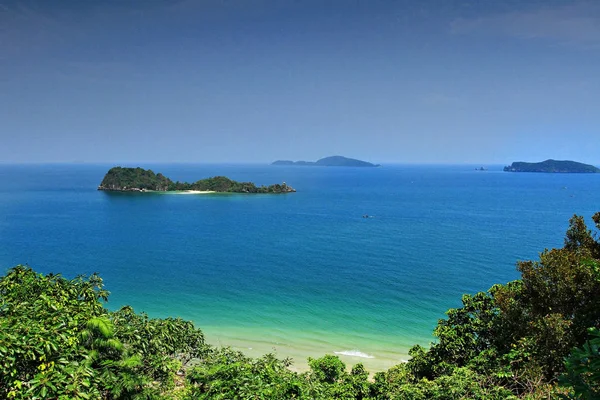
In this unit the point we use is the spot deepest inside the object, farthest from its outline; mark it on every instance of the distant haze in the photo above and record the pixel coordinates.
(436, 81)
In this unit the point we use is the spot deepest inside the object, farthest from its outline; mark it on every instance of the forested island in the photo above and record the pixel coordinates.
(533, 338)
(552, 166)
(119, 179)
(333, 161)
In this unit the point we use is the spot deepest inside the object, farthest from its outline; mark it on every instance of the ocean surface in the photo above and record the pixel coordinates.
(300, 274)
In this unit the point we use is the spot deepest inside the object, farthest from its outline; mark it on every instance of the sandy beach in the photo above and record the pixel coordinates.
(374, 355)
(192, 192)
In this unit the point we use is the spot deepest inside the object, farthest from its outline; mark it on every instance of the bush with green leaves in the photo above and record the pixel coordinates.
(519, 334)
(582, 374)
(58, 341)
(228, 374)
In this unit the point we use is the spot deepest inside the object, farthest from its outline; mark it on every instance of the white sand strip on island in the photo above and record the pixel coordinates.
(192, 192)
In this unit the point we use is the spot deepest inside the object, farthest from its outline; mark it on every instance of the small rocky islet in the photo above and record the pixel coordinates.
(120, 179)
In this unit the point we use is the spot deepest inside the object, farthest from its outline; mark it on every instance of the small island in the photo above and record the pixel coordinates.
(552, 166)
(119, 179)
(333, 161)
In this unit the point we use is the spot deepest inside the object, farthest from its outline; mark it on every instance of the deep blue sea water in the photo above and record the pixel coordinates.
(301, 274)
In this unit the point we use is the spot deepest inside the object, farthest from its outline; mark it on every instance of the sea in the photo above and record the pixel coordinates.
(359, 262)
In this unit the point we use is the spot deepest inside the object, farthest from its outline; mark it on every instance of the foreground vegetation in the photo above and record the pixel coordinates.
(535, 338)
(121, 179)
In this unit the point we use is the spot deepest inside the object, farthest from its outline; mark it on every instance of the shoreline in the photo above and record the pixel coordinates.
(160, 191)
(300, 345)
(189, 192)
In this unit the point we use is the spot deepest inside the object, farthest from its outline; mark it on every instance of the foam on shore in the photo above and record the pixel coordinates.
(353, 353)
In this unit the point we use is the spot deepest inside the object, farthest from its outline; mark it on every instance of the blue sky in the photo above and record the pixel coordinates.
(432, 81)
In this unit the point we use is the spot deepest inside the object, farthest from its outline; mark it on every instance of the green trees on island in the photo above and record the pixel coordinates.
(138, 179)
(119, 178)
(224, 184)
(537, 337)
(552, 166)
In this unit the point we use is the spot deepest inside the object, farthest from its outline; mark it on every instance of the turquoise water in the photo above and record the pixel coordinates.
(300, 274)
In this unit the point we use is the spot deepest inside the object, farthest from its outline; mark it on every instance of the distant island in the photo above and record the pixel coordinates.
(552, 166)
(333, 161)
(119, 179)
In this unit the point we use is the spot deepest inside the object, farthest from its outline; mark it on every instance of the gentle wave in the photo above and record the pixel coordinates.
(354, 353)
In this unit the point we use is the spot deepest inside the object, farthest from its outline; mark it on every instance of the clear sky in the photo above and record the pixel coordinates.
(430, 81)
